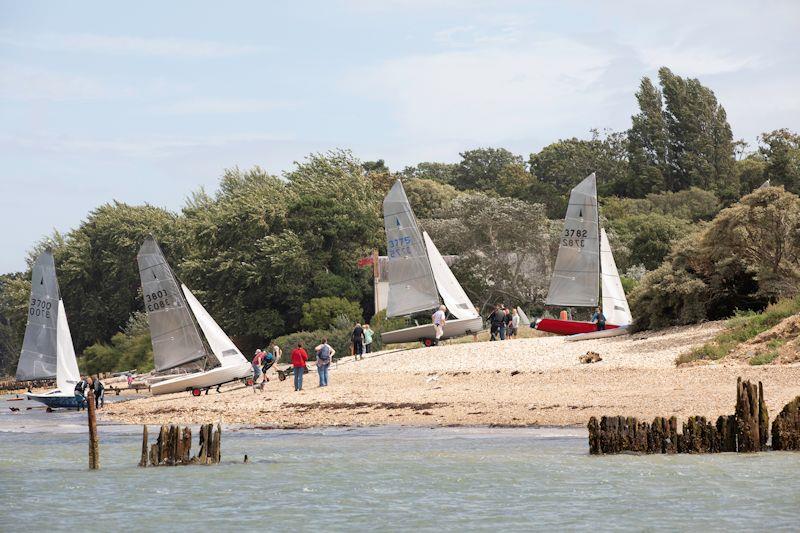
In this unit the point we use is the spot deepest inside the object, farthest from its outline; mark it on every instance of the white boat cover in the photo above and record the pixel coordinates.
(67, 374)
(38, 359)
(523, 318)
(175, 338)
(615, 304)
(221, 345)
(577, 268)
(456, 300)
(411, 284)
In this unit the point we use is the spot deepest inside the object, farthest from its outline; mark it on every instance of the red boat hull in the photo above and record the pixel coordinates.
(567, 327)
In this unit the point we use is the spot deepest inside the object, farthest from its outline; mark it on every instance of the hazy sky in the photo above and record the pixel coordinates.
(146, 101)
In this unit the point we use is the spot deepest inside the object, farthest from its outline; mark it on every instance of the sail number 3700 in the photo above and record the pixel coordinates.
(156, 300)
(40, 308)
(574, 238)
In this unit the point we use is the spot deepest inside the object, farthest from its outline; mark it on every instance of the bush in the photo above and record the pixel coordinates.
(322, 313)
(125, 352)
(339, 339)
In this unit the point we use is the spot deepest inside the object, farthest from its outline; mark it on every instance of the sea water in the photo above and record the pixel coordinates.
(388, 478)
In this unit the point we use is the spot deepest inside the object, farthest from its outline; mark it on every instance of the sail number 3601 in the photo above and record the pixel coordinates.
(40, 308)
(156, 300)
(574, 238)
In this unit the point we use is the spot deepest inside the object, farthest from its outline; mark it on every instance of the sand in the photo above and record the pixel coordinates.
(524, 382)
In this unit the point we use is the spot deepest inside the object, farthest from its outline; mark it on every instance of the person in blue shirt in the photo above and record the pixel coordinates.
(599, 318)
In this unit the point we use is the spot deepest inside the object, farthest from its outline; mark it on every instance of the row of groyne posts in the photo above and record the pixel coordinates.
(172, 447)
(747, 430)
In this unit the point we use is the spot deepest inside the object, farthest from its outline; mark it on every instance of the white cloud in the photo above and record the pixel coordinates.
(107, 44)
(697, 61)
(198, 106)
(149, 147)
(490, 94)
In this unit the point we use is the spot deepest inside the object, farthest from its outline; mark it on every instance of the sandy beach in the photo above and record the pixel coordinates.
(524, 382)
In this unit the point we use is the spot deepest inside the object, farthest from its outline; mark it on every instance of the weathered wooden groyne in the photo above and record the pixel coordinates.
(745, 431)
(173, 446)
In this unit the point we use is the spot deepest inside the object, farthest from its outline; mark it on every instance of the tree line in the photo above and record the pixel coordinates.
(272, 255)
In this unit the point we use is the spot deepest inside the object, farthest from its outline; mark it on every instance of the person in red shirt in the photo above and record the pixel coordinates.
(299, 358)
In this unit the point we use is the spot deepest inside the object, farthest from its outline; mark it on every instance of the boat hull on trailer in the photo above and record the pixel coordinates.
(426, 333)
(568, 327)
(601, 334)
(202, 380)
(55, 399)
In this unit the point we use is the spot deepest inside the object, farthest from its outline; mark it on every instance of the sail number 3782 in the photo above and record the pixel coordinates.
(574, 238)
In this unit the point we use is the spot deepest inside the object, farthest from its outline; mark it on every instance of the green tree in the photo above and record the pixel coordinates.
(647, 145)
(479, 169)
(427, 197)
(649, 238)
(321, 313)
(781, 152)
(441, 172)
(700, 149)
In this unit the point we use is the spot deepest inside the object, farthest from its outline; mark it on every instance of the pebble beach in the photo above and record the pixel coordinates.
(521, 382)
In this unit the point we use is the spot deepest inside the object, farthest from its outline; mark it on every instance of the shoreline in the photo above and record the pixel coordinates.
(535, 382)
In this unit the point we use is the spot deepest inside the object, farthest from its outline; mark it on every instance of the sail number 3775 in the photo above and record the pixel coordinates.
(156, 300)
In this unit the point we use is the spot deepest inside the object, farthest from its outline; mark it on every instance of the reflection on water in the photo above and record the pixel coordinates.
(382, 478)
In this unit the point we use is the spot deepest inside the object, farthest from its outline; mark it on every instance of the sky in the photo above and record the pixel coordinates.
(144, 102)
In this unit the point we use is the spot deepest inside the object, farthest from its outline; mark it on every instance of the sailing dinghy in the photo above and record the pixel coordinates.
(174, 315)
(418, 276)
(585, 273)
(47, 349)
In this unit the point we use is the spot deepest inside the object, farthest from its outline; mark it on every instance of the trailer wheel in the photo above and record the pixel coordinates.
(281, 375)
(196, 392)
(427, 342)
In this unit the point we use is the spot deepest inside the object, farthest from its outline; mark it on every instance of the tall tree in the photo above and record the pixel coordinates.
(647, 145)
(781, 152)
(479, 169)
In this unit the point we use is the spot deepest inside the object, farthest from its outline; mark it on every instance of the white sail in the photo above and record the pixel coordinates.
(456, 300)
(411, 284)
(67, 374)
(615, 304)
(523, 318)
(221, 345)
(38, 359)
(175, 338)
(577, 268)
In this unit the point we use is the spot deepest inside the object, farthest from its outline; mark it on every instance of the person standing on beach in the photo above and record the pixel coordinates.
(501, 327)
(258, 358)
(514, 323)
(368, 334)
(599, 318)
(325, 353)
(99, 393)
(358, 341)
(439, 320)
(495, 319)
(299, 358)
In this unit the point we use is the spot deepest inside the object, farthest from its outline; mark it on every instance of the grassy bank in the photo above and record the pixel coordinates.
(743, 327)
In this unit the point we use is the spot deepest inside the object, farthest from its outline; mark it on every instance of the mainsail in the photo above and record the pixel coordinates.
(615, 304)
(411, 284)
(456, 300)
(38, 359)
(221, 345)
(176, 340)
(577, 268)
(67, 374)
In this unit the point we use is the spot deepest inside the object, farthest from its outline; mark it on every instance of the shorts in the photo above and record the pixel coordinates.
(256, 372)
(514, 331)
(439, 331)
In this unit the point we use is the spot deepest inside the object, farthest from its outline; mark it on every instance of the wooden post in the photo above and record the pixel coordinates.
(786, 427)
(217, 443)
(94, 450)
(143, 460)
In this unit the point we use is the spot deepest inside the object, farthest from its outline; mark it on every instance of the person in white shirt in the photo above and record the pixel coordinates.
(514, 323)
(439, 321)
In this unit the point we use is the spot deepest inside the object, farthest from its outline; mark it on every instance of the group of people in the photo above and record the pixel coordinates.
(362, 340)
(87, 383)
(324, 353)
(503, 323)
(262, 361)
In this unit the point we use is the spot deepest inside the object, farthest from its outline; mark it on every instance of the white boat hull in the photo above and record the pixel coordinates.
(201, 380)
(452, 329)
(602, 334)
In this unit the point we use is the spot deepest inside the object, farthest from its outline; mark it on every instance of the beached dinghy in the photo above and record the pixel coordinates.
(47, 349)
(418, 276)
(177, 341)
(585, 269)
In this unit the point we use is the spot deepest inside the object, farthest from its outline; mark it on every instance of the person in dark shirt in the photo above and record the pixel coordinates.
(99, 393)
(358, 341)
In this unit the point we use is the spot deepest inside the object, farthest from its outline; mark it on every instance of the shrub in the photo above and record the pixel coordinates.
(322, 313)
